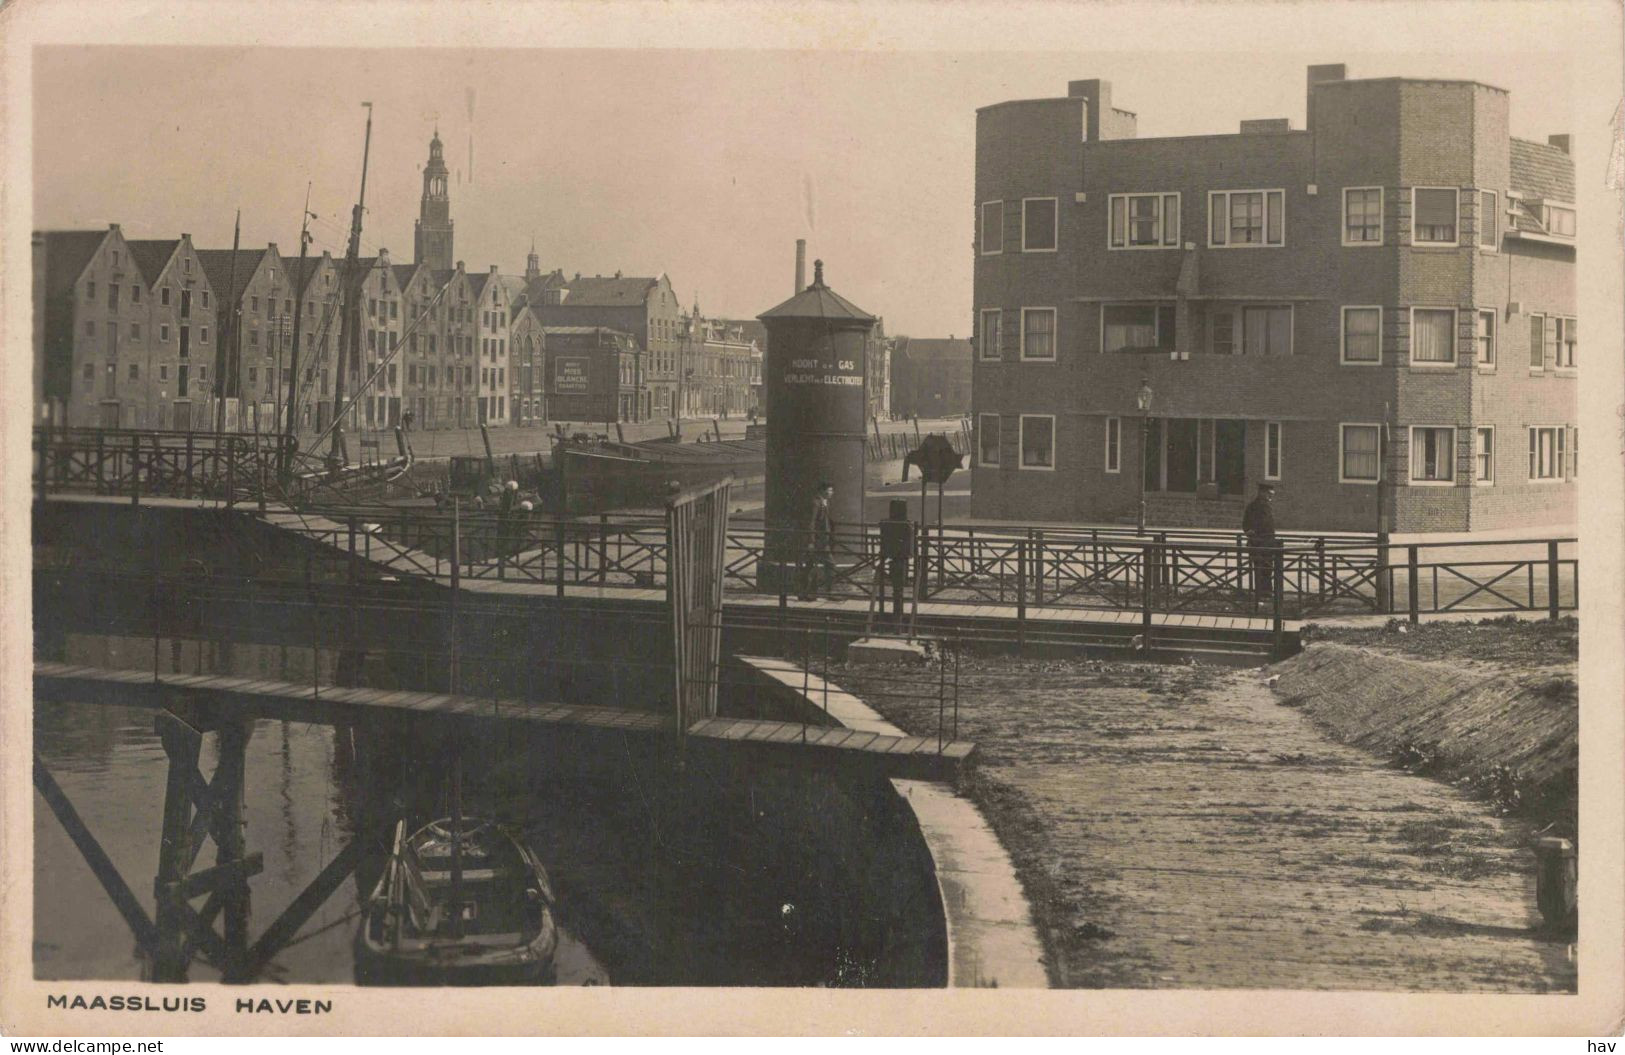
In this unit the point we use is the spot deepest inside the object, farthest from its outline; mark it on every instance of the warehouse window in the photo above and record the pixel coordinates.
(992, 240)
(1246, 218)
(1360, 454)
(1038, 333)
(1433, 335)
(1037, 441)
(1362, 335)
(1039, 222)
(1433, 454)
(1362, 216)
(1144, 221)
(1484, 455)
(1433, 215)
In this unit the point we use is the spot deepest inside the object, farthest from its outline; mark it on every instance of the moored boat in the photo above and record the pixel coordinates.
(458, 904)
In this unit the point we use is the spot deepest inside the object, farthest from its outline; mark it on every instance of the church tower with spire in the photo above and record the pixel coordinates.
(431, 238)
(533, 264)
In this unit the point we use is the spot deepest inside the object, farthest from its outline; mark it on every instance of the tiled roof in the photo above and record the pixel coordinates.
(217, 266)
(1542, 171)
(599, 292)
(152, 255)
(66, 254)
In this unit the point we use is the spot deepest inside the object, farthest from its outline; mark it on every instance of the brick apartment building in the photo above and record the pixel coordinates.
(1387, 295)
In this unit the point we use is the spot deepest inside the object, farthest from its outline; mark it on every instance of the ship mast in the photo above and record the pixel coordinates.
(350, 320)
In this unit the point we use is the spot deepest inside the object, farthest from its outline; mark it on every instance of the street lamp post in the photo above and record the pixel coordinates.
(1142, 399)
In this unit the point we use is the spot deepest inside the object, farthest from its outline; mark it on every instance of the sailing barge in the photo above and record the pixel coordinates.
(458, 904)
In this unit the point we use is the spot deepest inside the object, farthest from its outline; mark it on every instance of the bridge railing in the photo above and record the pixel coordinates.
(1317, 576)
(229, 467)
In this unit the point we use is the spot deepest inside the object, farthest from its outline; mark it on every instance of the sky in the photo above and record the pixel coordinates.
(702, 164)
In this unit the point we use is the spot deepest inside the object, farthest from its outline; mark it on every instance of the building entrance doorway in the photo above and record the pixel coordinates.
(1181, 454)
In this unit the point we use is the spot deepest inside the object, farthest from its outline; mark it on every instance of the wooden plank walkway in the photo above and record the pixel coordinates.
(894, 756)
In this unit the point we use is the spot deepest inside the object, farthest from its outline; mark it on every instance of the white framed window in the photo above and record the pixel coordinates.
(1040, 225)
(992, 332)
(1143, 221)
(1484, 455)
(1566, 339)
(1433, 454)
(1272, 450)
(1114, 445)
(1246, 219)
(1359, 453)
(1484, 337)
(1558, 219)
(1546, 454)
(1433, 336)
(1362, 335)
(1038, 441)
(1136, 327)
(1489, 221)
(992, 239)
(1435, 212)
(1537, 342)
(1038, 334)
(987, 439)
(1362, 216)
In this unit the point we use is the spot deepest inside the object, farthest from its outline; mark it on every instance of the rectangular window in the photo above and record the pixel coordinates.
(205, 298)
(1566, 339)
(987, 439)
(1246, 218)
(1546, 452)
(1128, 327)
(1558, 220)
(1362, 216)
(1114, 445)
(203, 334)
(1537, 342)
(253, 338)
(1553, 325)
(1484, 455)
(163, 371)
(1486, 338)
(1144, 221)
(90, 290)
(202, 372)
(1433, 215)
(1272, 450)
(1266, 330)
(1489, 227)
(1433, 454)
(1362, 335)
(253, 302)
(1360, 446)
(90, 371)
(163, 332)
(112, 296)
(1433, 335)
(163, 296)
(992, 240)
(135, 295)
(1037, 441)
(135, 372)
(1038, 333)
(135, 331)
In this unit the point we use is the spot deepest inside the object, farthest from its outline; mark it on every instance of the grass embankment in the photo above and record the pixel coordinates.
(1492, 706)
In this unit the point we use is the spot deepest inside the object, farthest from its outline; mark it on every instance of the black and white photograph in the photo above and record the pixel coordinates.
(767, 501)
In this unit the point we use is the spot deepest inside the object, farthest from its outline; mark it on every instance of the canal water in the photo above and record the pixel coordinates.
(665, 873)
(299, 803)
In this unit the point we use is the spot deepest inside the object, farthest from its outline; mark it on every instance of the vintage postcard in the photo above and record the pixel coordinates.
(809, 518)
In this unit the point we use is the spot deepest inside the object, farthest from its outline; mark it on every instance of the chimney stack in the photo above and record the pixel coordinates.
(801, 264)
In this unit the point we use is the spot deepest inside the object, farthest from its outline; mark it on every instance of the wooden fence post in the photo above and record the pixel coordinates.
(1551, 579)
(1414, 585)
(1021, 596)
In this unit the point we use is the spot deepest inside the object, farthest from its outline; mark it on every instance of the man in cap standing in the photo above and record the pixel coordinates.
(1258, 524)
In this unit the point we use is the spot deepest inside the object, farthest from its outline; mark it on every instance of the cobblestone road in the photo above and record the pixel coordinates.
(1177, 827)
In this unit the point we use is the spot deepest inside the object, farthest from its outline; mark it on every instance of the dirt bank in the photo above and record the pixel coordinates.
(1506, 728)
(1178, 827)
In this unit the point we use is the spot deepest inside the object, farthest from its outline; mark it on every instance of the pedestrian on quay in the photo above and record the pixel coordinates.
(820, 544)
(896, 549)
(1258, 524)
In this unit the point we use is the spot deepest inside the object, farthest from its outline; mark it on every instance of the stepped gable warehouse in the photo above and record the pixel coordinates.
(1288, 296)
